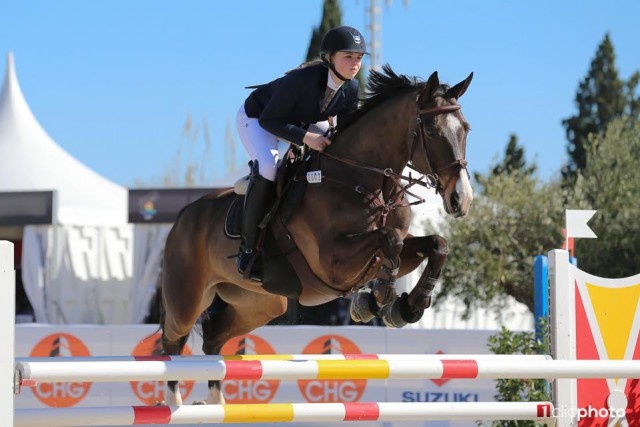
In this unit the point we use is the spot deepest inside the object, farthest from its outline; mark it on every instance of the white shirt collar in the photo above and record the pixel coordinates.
(331, 83)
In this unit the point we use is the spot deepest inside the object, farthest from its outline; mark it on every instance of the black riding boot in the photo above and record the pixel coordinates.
(254, 210)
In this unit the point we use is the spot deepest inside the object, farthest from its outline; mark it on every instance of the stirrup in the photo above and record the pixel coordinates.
(245, 262)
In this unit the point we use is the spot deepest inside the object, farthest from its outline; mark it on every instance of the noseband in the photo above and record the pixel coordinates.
(458, 163)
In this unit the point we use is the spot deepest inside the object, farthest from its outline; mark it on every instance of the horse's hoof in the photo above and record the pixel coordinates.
(199, 402)
(360, 307)
(384, 292)
(398, 313)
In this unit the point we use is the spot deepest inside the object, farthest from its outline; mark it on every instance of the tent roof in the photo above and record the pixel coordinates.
(31, 161)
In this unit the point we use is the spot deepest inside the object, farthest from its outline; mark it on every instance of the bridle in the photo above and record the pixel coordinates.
(428, 180)
(458, 163)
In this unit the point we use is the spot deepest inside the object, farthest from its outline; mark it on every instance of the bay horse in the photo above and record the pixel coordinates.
(350, 228)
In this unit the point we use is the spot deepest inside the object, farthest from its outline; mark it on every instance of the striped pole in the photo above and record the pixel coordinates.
(336, 356)
(158, 370)
(284, 412)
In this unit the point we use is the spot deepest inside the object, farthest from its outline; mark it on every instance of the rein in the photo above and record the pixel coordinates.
(426, 180)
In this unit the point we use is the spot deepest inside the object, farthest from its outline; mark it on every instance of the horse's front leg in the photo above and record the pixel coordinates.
(383, 288)
(409, 308)
(370, 300)
(339, 256)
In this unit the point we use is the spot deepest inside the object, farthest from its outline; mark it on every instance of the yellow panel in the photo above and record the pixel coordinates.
(355, 369)
(247, 413)
(259, 357)
(615, 309)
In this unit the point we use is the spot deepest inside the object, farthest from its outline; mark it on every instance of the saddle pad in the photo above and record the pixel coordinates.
(233, 220)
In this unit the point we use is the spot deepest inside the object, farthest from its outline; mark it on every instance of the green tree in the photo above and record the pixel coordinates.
(602, 96)
(520, 390)
(514, 161)
(514, 217)
(331, 17)
(609, 183)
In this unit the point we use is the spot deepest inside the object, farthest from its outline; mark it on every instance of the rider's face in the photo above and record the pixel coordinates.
(347, 63)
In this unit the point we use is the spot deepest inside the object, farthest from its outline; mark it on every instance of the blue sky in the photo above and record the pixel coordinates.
(114, 82)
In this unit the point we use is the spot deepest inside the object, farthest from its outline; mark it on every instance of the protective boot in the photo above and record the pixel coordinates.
(254, 210)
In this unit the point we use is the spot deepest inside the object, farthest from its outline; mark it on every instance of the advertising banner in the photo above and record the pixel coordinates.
(144, 340)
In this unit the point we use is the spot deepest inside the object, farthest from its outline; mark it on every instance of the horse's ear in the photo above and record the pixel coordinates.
(433, 83)
(458, 90)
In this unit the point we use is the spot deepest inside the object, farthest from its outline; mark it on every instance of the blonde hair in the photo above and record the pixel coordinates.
(314, 61)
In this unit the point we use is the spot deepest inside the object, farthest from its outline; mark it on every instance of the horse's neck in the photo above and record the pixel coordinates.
(379, 138)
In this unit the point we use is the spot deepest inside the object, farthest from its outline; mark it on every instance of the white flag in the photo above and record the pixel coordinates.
(577, 224)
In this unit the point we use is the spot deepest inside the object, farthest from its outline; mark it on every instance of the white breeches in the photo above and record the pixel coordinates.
(262, 145)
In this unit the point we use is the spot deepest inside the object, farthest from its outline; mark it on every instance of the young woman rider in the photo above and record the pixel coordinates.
(284, 108)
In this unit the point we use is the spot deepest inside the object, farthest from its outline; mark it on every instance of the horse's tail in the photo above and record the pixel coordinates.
(161, 312)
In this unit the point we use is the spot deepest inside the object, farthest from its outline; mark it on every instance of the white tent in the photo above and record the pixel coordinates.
(80, 268)
(31, 161)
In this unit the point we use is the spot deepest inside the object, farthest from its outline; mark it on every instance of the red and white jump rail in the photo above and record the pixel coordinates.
(203, 370)
(514, 357)
(285, 412)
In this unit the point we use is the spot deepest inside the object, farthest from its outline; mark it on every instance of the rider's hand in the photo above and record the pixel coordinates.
(315, 141)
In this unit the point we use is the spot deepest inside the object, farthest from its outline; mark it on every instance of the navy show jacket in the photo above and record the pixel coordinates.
(286, 106)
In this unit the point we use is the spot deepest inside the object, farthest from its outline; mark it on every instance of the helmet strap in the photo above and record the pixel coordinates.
(332, 67)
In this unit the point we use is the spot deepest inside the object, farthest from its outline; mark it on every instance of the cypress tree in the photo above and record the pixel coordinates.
(601, 97)
(331, 17)
(514, 160)
(513, 164)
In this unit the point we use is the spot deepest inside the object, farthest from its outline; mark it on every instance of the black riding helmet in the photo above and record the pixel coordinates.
(341, 39)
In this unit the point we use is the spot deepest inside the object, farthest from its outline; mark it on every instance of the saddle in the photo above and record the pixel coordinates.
(283, 268)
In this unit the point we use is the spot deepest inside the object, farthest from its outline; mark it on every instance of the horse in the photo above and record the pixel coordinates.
(351, 228)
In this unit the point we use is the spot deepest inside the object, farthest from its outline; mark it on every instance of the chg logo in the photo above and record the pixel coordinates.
(60, 395)
(248, 391)
(152, 392)
(332, 390)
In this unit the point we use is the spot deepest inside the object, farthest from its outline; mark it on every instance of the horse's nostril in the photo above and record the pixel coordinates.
(455, 202)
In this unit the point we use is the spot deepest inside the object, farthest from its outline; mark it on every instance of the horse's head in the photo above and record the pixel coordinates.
(440, 143)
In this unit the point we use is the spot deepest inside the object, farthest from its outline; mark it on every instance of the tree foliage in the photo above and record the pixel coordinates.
(514, 161)
(514, 217)
(520, 390)
(331, 17)
(610, 183)
(602, 96)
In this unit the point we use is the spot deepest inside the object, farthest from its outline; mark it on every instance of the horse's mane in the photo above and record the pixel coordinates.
(382, 86)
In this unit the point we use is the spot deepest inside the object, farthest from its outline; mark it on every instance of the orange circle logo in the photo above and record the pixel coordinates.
(152, 392)
(332, 390)
(248, 391)
(60, 395)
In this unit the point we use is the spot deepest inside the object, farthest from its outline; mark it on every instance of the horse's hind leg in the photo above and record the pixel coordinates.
(172, 395)
(235, 312)
(183, 300)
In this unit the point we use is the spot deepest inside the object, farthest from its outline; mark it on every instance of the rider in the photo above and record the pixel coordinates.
(283, 110)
